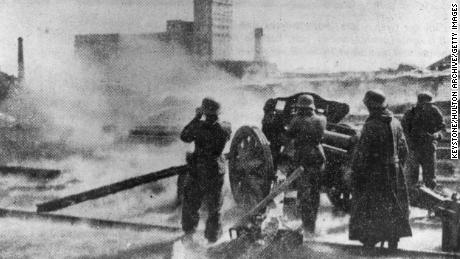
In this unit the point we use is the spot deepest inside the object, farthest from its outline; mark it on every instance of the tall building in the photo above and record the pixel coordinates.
(212, 29)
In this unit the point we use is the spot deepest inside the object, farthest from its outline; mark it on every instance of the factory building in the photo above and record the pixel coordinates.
(212, 34)
(208, 37)
(103, 48)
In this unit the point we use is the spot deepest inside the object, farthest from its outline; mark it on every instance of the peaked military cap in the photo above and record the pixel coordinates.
(425, 97)
(210, 106)
(375, 99)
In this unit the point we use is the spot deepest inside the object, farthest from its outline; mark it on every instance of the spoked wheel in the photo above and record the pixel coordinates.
(250, 166)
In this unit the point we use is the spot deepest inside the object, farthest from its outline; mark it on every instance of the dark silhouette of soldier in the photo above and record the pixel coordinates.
(380, 204)
(273, 129)
(421, 125)
(307, 129)
(206, 176)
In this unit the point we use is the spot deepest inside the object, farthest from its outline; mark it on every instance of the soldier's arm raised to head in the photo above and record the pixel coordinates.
(188, 134)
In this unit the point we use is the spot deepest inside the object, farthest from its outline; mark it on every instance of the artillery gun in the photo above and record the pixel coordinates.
(253, 159)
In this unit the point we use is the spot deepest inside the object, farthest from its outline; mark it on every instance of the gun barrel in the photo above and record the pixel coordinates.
(338, 140)
(425, 197)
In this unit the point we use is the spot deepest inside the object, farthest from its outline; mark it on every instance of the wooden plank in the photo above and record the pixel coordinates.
(275, 192)
(37, 173)
(244, 240)
(6, 213)
(109, 189)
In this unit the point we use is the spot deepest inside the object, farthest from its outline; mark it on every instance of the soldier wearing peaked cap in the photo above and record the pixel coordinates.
(421, 125)
(380, 206)
(307, 129)
(207, 169)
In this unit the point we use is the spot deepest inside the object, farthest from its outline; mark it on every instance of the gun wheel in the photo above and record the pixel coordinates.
(250, 166)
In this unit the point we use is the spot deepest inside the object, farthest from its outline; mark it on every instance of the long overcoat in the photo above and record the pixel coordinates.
(380, 207)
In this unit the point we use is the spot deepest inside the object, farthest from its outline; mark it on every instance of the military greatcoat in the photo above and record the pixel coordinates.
(380, 207)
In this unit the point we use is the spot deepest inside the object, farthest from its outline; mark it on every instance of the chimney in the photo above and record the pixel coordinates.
(20, 61)
(258, 55)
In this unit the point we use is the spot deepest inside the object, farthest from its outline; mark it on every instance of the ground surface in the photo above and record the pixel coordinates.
(151, 204)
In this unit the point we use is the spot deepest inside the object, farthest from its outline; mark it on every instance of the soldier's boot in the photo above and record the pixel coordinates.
(213, 236)
(369, 243)
(430, 182)
(190, 215)
(393, 244)
(308, 226)
(187, 240)
(213, 228)
(309, 212)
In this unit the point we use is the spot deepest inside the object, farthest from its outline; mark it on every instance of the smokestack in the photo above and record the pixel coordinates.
(258, 55)
(20, 61)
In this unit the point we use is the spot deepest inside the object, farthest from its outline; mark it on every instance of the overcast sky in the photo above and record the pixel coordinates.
(314, 35)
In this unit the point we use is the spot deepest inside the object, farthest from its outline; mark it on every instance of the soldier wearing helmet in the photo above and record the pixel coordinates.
(421, 125)
(206, 174)
(380, 205)
(307, 129)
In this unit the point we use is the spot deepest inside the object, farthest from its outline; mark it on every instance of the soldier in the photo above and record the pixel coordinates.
(206, 176)
(273, 129)
(421, 125)
(307, 130)
(380, 207)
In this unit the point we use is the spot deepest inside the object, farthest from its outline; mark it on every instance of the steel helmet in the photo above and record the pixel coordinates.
(306, 101)
(270, 105)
